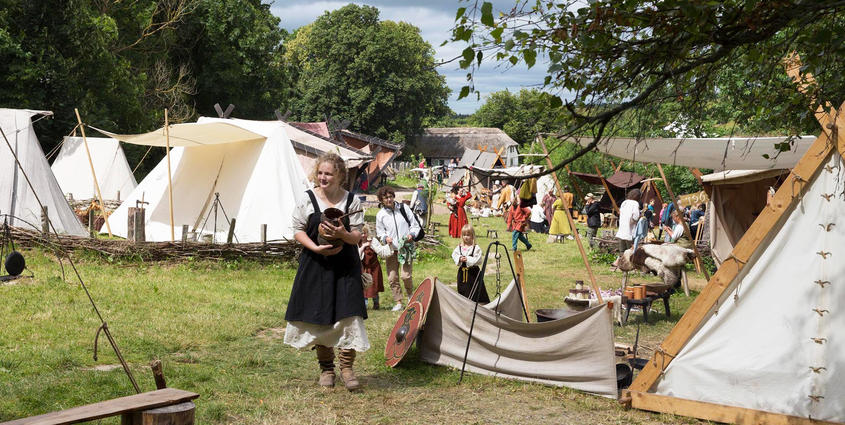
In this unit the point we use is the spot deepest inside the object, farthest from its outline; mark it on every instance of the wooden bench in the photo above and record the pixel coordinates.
(165, 406)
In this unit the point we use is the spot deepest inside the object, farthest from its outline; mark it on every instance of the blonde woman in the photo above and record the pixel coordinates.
(326, 307)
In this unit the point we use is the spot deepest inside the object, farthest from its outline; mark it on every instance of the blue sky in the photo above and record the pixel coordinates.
(435, 19)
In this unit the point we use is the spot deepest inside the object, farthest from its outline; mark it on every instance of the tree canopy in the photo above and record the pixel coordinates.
(380, 75)
(608, 61)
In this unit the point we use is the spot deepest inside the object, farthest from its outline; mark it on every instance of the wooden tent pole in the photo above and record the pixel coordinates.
(572, 226)
(93, 173)
(574, 184)
(607, 189)
(169, 176)
(699, 264)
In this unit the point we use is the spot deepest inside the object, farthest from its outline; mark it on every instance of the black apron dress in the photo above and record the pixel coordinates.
(326, 289)
(466, 279)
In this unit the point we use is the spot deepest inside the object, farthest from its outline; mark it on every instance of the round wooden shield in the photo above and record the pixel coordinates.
(409, 323)
(403, 334)
(423, 294)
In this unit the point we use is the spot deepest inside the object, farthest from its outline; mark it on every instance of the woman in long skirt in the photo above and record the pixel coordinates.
(326, 307)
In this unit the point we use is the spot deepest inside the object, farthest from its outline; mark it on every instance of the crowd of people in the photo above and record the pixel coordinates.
(340, 268)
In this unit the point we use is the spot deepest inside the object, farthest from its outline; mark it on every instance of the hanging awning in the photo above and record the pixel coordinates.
(190, 134)
(746, 153)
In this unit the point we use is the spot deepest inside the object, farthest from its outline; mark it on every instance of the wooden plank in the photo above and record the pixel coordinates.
(114, 407)
(713, 411)
(572, 227)
(519, 266)
(784, 201)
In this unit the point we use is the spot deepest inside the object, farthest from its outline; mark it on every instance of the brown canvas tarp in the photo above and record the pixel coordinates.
(575, 352)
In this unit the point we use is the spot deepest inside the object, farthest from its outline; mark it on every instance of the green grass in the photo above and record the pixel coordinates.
(217, 327)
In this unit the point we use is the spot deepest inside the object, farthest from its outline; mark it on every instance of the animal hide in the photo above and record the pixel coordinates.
(666, 260)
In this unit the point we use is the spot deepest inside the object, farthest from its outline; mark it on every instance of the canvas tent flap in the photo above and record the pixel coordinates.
(775, 344)
(16, 197)
(113, 173)
(576, 352)
(190, 134)
(714, 153)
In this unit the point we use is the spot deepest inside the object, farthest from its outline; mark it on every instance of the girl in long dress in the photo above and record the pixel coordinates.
(466, 256)
(560, 225)
(370, 250)
(326, 307)
(458, 219)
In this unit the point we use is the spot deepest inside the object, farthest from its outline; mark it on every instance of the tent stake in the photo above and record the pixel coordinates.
(93, 173)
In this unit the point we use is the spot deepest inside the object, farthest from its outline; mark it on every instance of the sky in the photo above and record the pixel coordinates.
(435, 19)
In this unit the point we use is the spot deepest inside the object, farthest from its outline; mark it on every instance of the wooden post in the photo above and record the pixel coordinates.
(176, 414)
(118, 196)
(45, 222)
(184, 234)
(572, 226)
(607, 190)
(231, 234)
(138, 225)
(93, 173)
(686, 227)
(158, 374)
(264, 237)
(169, 175)
(91, 228)
(519, 266)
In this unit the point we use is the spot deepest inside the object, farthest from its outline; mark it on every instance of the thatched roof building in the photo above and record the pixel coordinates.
(439, 145)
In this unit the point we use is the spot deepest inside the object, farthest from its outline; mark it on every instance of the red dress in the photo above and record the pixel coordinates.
(458, 218)
(370, 264)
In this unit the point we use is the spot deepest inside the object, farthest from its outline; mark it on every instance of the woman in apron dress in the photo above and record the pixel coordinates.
(326, 307)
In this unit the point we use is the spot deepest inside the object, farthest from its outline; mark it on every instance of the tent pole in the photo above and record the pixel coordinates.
(572, 225)
(93, 173)
(574, 183)
(169, 175)
(607, 189)
(686, 226)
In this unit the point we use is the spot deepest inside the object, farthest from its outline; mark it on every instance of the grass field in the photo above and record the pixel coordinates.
(217, 327)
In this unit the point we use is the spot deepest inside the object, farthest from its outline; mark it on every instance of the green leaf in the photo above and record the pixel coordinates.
(468, 54)
(555, 101)
(530, 57)
(513, 60)
(461, 11)
(478, 56)
(509, 44)
(464, 92)
(497, 34)
(487, 14)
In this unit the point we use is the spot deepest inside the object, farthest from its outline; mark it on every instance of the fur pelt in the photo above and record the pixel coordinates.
(664, 259)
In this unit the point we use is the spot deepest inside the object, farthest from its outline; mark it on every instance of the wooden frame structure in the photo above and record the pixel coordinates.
(784, 203)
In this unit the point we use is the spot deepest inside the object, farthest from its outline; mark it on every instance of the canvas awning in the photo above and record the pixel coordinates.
(714, 153)
(190, 134)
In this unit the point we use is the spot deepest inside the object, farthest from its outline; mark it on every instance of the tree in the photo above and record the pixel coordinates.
(380, 75)
(521, 115)
(617, 57)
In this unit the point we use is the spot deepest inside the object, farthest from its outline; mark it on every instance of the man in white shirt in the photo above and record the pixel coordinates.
(395, 229)
(629, 213)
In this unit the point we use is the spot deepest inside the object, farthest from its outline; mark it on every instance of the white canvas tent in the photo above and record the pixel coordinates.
(763, 341)
(113, 173)
(16, 197)
(575, 352)
(251, 164)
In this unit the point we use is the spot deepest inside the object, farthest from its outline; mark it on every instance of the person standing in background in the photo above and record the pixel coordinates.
(629, 213)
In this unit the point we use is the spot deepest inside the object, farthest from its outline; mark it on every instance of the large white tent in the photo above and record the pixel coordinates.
(251, 164)
(16, 197)
(72, 169)
(762, 343)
